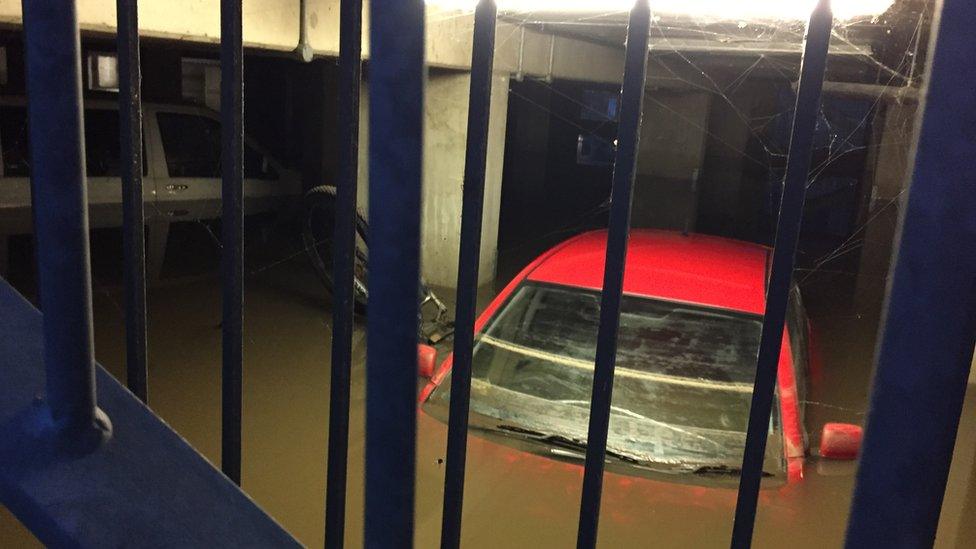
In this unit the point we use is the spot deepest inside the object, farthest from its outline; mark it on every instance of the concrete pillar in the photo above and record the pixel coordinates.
(444, 146)
(445, 132)
(893, 160)
(725, 164)
(671, 154)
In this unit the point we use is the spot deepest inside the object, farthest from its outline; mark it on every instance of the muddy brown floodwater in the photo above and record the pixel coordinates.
(511, 499)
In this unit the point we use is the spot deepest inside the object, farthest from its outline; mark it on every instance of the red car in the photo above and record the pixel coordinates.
(690, 325)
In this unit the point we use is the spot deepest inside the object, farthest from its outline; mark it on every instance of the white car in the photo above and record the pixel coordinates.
(181, 171)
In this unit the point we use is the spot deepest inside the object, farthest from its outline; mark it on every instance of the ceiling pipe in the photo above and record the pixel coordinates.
(303, 50)
(899, 94)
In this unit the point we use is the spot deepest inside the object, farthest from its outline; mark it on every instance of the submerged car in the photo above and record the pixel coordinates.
(690, 324)
(181, 171)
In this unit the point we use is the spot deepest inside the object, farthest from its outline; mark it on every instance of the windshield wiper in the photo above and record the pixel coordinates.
(573, 444)
(726, 470)
(520, 430)
(561, 441)
(635, 415)
(567, 443)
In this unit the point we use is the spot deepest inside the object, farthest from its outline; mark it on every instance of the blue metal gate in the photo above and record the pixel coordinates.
(922, 361)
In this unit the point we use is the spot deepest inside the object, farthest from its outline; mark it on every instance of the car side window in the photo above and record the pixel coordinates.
(193, 148)
(102, 158)
(191, 144)
(13, 138)
(102, 154)
(257, 166)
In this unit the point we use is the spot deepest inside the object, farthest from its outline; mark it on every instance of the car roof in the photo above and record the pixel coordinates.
(693, 268)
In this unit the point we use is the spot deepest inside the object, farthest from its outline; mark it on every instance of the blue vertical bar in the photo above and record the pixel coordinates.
(927, 339)
(350, 62)
(60, 204)
(807, 110)
(628, 137)
(133, 218)
(232, 238)
(472, 209)
(396, 108)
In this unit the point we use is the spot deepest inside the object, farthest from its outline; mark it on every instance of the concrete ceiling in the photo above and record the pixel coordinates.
(866, 49)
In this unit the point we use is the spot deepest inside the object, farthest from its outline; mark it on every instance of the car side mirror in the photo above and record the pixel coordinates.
(840, 441)
(426, 358)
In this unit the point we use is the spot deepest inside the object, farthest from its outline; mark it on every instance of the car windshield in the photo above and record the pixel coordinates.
(683, 378)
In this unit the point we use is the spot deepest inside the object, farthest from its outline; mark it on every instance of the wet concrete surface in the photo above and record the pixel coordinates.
(512, 500)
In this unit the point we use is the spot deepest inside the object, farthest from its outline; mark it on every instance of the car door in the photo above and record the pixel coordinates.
(188, 187)
(103, 164)
(191, 144)
(267, 185)
(102, 168)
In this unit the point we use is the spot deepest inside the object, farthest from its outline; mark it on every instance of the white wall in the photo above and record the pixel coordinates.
(274, 25)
